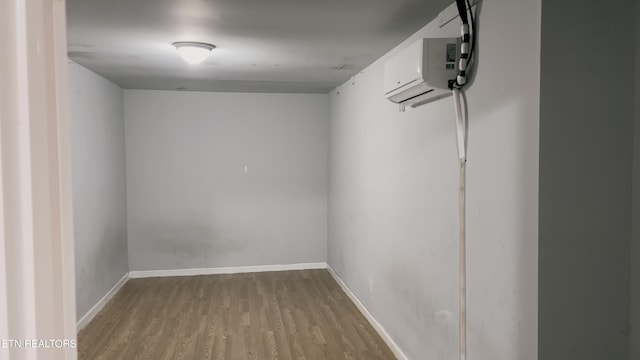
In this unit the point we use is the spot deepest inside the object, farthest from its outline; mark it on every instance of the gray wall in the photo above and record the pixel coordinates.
(98, 168)
(585, 179)
(190, 203)
(394, 198)
(634, 339)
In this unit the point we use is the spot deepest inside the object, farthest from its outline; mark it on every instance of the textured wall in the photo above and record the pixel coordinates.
(190, 202)
(394, 198)
(98, 167)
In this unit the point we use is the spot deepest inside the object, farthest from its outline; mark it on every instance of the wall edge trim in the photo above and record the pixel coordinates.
(95, 309)
(225, 270)
(91, 314)
(372, 320)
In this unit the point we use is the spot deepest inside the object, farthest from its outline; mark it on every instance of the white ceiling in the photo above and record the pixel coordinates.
(308, 46)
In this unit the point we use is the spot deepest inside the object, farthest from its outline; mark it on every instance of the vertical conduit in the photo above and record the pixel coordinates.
(461, 132)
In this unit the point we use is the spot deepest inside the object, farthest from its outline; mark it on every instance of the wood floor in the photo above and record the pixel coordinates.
(297, 315)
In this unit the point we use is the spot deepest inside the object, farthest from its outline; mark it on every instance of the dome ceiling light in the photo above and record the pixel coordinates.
(193, 52)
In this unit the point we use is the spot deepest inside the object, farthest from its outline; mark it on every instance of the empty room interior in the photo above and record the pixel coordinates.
(355, 179)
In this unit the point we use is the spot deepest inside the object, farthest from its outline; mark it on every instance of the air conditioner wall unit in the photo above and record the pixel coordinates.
(421, 72)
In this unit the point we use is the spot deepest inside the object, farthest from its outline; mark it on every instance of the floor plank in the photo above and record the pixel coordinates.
(288, 315)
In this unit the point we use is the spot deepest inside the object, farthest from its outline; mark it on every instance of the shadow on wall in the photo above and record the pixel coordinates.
(188, 241)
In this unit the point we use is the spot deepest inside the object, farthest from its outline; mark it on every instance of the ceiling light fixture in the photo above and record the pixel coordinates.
(193, 52)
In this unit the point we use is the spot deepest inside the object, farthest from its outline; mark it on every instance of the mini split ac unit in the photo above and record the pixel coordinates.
(421, 72)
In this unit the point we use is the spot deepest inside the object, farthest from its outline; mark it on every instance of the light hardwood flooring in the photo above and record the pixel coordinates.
(297, 315)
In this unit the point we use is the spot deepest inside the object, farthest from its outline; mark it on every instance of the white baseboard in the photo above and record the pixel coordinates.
(101, 303)
(84, 320)
(237, 270)
(225, 270)
(374, 323)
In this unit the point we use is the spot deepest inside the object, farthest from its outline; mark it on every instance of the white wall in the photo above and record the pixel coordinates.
(98, 167)
(585, 179)
(190, 203)
(634, 338)
(394, 198)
